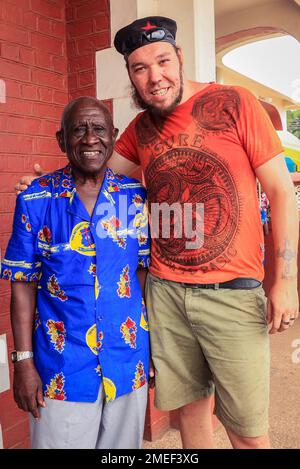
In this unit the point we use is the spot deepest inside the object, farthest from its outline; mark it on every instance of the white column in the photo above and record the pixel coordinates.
(1, 439)
(204, 37)
(4, 370)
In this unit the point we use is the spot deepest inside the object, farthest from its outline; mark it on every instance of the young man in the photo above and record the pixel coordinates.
(77, 256)
(204, 143)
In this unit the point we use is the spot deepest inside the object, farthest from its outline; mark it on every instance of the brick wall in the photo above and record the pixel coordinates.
(47, 56)
(88, 30)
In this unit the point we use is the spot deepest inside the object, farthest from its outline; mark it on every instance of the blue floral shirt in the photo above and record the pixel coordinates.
(91, 321)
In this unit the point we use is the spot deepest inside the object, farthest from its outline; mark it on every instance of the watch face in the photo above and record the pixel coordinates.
(14, 356)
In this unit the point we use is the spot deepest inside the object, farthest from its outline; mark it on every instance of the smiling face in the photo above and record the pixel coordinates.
(155, 71)
(87, 136)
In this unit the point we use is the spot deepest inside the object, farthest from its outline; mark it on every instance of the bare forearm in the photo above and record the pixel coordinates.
(142, 275)
(23, 304)
(285, 228)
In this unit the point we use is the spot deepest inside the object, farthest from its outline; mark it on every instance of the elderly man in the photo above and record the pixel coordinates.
(205, 143)
(77, 258)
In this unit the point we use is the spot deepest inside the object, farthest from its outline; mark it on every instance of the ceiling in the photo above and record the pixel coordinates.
(223, 7)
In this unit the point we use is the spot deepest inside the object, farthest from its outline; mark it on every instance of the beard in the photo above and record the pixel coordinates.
(156, 111)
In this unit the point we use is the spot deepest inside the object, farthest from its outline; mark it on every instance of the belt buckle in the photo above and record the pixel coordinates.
(216, 286)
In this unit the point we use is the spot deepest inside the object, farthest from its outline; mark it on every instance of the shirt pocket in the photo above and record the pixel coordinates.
(68, 267)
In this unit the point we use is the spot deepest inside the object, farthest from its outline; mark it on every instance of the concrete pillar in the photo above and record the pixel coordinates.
(204, 38)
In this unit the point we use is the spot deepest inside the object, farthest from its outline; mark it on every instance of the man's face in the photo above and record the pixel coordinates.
(155, 71)
(88, 137)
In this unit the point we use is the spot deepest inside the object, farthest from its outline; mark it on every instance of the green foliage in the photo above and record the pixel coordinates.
(293, 122)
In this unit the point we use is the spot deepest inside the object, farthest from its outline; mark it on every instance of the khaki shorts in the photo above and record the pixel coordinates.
(205, 338)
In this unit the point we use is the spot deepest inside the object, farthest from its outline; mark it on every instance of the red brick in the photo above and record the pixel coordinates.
(17, 433)
(47, 163)
(45, 95)
(5, 316)
(86, 78)
(12, 89)
(80, 28)
(10, 69)
(14, 163)
(85, 62)
(71, 48)
(101, 22)
(15, 144)
(48, 78)
(49, 128)
(59, 29)
(9, 32)
(51, 27)
(16, 106)
(29, 91)
(90, 9)
(5, 237)
(69, 14)
(7, 203)
(60, 97)
(43, 59)
(11, 52)
(90, 91)
(73, 81)
(30, 20)
(52, 45)
(24, 4)
(6, 220)
(27, 56)
(47, 146)
(11, 13)
(45, 25)
(20, 125)
(93, 43)
(3, 126)
(47, 111)
(60, 64)
(44, 8)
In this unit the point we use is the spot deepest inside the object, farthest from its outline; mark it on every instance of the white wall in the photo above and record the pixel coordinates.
(4, 370)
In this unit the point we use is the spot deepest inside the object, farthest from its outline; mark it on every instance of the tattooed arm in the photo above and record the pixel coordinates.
(283, 303)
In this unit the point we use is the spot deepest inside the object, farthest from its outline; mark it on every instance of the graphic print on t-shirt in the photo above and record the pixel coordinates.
(191, 176)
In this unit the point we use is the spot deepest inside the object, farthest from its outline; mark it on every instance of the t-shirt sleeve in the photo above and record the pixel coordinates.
(256, 131)
(126, 145)
(20, 262)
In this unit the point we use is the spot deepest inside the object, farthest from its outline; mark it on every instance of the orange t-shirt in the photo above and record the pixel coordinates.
(205, 152)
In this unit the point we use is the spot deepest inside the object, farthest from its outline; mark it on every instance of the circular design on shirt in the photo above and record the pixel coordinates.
(217, 110)
(110, 389)
(81, 239)
(191, 176)
(146, 131)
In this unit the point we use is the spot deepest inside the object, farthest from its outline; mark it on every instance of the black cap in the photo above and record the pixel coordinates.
(145, 31)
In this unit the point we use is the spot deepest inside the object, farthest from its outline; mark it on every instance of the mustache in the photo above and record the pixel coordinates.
(141, 104)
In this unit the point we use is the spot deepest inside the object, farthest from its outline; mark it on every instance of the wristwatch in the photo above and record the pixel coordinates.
(18, 356)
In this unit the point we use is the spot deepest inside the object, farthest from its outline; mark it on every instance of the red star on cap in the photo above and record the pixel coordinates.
(149, 26)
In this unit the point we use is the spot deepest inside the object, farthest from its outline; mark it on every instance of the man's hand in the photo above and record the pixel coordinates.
(28, 391)
(25, 181)
(282, 306)
(151, 375)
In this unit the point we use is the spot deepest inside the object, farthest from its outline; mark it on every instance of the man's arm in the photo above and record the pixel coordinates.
(28, 392)
(283, 303)
(120, 164)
